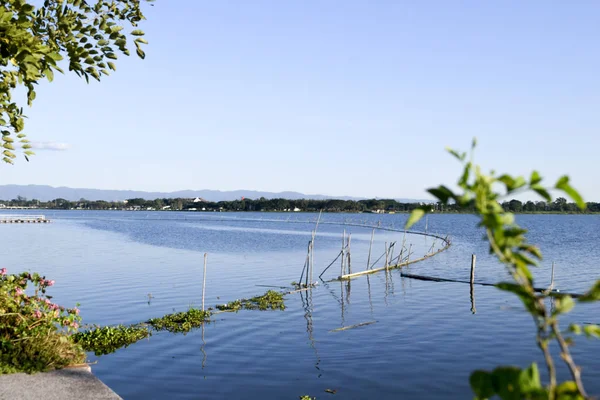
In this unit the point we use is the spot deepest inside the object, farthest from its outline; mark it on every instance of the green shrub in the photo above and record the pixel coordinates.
(34, 332)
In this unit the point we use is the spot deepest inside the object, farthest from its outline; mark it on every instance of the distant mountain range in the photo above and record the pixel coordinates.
(46, 193)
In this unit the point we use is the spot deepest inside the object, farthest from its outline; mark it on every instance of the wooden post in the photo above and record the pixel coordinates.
(370, 246)
(473, 260)
(204, 280)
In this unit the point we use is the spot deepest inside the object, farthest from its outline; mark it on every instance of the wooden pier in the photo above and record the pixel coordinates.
(23, 219)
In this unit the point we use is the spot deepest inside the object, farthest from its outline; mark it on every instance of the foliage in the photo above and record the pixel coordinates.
(272, 300)
(33, 41)
(181, 322)
(560, 205)
(307, 397)
(507, 242)
(235, 305)
(34, 332)
(108, 339)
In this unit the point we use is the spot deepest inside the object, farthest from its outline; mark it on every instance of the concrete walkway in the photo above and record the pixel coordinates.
(65, 384)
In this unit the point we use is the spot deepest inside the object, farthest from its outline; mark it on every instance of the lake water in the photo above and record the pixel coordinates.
(425, 342)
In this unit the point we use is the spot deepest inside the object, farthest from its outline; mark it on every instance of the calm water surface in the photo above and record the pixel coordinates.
(424, 344)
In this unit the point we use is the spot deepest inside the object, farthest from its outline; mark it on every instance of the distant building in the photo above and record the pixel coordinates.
(199, 200)
(296, 209)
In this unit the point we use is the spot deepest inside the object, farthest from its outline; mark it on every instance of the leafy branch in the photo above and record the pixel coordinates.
(507, 242)
(33, 41)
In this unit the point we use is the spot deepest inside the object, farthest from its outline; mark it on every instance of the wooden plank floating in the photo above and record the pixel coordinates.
(552, 292)
(23, 219)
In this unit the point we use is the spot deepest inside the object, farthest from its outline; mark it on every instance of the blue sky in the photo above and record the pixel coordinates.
(340, 98)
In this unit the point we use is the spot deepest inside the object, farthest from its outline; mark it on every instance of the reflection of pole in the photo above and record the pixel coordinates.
(473, 309)
(369, 292)
(204, 280)
(202, 348)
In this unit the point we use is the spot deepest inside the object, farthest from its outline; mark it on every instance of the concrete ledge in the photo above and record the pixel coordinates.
(65, 384)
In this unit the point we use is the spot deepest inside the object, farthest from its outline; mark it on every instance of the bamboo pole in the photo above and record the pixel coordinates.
(348, 253)
(370, 246)
(343, 243)
(473, 261)
(386, 256)
(204, 280)
(392, 247)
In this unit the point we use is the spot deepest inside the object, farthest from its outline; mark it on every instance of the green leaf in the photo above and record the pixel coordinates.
(460, 157)
(563, 305)
(535, 178)
(576, 329)
(49, 74)
(137, 32)
(506, 382)
(140, 53)
(442, 193)
(529, 379)
(591, 295)
(539, 189)
(568, 390)
(563, 184)
(481, 384)
(414, 217)
(592, 331)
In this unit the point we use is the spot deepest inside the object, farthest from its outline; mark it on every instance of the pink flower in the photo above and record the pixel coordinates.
(19, 291)
(75, 325)
(54, 306)
(49, 283)
(3, 271)
(47, 301)
(37, 314)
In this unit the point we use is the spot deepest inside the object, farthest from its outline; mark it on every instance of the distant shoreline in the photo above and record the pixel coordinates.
(465, 212)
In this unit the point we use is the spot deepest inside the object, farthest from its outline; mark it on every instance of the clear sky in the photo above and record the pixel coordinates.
(331, 97)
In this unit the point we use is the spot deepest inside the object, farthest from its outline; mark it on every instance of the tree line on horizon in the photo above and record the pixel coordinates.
(560, 205)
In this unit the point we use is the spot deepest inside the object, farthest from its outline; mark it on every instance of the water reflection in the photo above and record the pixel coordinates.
(307, 305)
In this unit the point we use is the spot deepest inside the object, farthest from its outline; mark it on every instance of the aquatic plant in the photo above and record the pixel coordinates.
(271, 300)
(508, 243)
(34, 331)
(231, 306)
(108, 339)
(181, 322)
